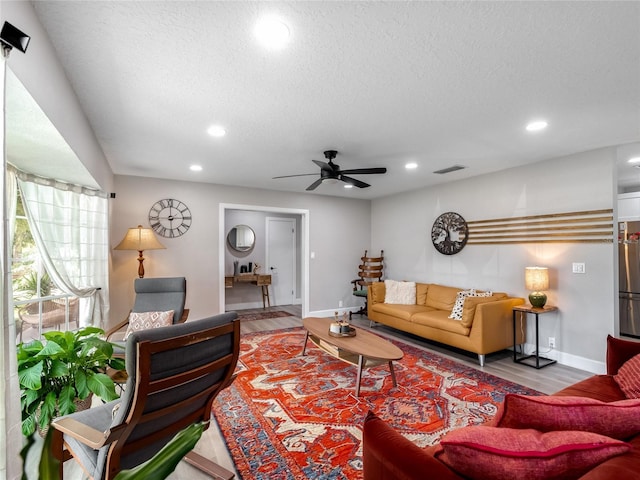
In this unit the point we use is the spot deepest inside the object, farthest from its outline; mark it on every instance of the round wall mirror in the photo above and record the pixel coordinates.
(241, 238)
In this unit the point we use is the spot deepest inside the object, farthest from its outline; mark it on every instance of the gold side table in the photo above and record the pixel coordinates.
(535, 361)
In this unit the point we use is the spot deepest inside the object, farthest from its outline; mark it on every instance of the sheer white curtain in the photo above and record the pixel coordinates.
(70, 227)
(10, 417)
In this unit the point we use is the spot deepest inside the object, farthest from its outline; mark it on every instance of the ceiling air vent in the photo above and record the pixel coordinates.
(450, 169)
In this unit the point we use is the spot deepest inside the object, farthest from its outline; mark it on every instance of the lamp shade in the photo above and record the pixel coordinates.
(536, 278)
(139, 238)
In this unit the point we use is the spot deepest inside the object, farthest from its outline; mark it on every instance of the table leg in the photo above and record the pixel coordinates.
(304, 347)
(360, 366)
(515, 355)
(393, 374)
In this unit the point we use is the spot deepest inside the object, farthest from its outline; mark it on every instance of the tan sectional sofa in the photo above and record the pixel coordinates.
(486, 325)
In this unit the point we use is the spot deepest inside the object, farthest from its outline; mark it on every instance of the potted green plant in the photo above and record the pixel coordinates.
(66, 367)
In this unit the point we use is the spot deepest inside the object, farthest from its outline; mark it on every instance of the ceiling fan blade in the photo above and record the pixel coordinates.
(299, 175)
(323, 165)
(354, 181)
(364, 171)
(314, 185)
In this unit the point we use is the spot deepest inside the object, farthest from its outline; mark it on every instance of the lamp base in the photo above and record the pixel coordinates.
(537, 299)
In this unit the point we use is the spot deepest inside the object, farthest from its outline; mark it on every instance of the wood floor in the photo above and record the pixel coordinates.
(547, 380)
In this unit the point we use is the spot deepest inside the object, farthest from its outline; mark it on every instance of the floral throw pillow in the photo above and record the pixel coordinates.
(146, 320)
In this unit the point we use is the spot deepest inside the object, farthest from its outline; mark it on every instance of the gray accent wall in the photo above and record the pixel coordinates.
(339, 232)
(401, 225)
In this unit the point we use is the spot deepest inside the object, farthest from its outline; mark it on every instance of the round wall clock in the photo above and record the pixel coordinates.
(170, 217)
(449, 233)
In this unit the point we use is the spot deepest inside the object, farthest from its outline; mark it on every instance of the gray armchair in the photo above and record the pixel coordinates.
(174, 374)
(157, 295)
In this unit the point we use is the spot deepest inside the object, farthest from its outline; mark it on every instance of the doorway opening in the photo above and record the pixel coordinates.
(237, 296)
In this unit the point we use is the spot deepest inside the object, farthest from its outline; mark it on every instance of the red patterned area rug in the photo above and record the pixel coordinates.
(247, 317)
(289, 416)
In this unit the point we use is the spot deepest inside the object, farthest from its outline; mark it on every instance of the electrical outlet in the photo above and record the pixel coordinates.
(340, 304)
(552, 342)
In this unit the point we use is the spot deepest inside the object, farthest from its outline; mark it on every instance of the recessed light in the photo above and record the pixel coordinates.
(216, 131)
(272, 32)
(536, 126)
(411, 166)
(348, 185)
(634, 160)
(195, 168)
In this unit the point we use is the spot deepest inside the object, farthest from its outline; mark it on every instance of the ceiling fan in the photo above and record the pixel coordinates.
(331, 172)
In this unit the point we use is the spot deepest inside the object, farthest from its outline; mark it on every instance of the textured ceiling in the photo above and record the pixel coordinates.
(438, 83)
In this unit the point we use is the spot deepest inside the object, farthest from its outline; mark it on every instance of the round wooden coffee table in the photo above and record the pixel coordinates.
(364, 349)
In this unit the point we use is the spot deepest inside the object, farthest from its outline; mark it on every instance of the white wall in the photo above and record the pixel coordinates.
(401, 225)
(339, 231)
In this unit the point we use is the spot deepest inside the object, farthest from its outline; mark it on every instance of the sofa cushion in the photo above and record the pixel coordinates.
(400, 293)
(440, 320)
(619, 419)
(441, 297)
(421, 293)
(469, 309)
(628, 377)
(404, 312)
(489, 453)
(600, 387)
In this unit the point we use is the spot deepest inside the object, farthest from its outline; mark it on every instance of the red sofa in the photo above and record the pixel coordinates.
(387, 455)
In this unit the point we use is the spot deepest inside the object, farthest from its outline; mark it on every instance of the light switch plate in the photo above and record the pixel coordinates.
(579, 268)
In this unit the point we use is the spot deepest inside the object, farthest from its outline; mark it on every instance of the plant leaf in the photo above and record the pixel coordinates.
(165, 461)
(50, 349)
(81, 384)
(29, 425)
(102, 386)
(30, 378)
(47, 410)
(49, 468)
(58, 369)
(65, 400)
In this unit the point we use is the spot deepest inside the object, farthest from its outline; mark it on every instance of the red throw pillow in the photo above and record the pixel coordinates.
(628, 377)
(489, 453)
(619, 419)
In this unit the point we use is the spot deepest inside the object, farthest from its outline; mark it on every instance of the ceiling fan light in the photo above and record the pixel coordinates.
(329, 180)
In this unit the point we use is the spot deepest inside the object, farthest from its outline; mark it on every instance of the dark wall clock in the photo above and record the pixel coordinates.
(449, 233)
(170, 217)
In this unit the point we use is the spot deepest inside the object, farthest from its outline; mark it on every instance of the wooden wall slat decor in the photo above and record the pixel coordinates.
(590, 226)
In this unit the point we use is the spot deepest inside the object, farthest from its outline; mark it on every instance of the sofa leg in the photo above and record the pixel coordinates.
(481, 360)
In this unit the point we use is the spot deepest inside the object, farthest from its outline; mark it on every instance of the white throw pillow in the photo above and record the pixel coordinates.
(146, 320)
(456, 311)
(400, 293)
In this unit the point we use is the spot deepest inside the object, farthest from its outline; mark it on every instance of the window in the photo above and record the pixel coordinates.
(39, 305)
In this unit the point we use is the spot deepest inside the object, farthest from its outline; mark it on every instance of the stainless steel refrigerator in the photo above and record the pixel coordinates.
(629, 268)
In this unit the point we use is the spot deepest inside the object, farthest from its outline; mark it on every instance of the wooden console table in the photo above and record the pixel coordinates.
(262, 281)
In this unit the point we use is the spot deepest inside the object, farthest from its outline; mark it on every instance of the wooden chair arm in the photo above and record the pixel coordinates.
(85, 434)
(116, 327)
(185, 314)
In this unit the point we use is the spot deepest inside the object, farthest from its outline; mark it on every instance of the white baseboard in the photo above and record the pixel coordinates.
(570, 360)
(331, 312)
(246, 305)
